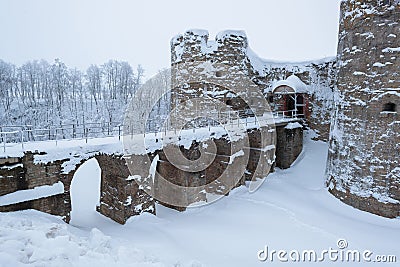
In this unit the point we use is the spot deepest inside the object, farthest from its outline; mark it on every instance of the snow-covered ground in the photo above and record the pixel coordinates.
(292, 210)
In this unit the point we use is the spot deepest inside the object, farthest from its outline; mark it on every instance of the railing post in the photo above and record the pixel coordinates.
(22, 139)
(119, 132)
(4, 141)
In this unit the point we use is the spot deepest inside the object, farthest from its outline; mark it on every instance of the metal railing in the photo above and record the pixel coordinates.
(26, 133)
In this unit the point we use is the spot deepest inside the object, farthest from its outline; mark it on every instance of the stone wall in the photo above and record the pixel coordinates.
(225, 171)
(231, 49)
(121, 197)
(24, 174)
(55, 205)
(369, 204)
(39, 174)
(363, 165)
(12, 176)
(289, 145)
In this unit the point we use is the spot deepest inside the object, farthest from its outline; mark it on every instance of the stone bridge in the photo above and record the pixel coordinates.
(42, 165)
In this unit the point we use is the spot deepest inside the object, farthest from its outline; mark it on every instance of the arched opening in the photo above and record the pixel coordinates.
(389, 107)
(85, 194)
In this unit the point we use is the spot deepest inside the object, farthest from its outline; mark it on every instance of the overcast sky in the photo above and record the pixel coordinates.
(84, 32)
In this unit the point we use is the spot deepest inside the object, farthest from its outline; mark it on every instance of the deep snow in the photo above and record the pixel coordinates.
(291, 210)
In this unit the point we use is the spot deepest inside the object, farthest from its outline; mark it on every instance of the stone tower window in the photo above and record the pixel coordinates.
(384, 2)
(389, 107)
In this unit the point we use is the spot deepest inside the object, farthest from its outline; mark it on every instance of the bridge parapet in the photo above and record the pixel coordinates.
(121, 197)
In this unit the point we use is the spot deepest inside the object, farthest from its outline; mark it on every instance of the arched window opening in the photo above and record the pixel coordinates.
(389, 107)
(85, 194)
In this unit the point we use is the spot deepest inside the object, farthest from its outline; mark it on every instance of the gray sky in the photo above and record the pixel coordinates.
(82, 32)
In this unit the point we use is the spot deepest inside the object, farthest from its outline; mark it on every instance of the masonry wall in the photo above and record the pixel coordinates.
(320, 78)
(231, 49)
(255, 163)
(12, 176)
(289, 145)
(121, 198)
(363, 164)
(54, 205)
(22, 174)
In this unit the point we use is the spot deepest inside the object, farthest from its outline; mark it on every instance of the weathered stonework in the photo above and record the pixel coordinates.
(12, 176)
(231, 49)
(225, 171)
(55, 205)
(289, 145)
(363, 165)
(120, 195)
(120, 198)
(224, 70)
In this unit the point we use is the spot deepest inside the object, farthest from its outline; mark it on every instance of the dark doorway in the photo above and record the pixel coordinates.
(300, 106)
(290, 105)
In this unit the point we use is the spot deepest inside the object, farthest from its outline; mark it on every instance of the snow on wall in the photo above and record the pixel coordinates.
(31, 194)
(231, 48)
(364, 138)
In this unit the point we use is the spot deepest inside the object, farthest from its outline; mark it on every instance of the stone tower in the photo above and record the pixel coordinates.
(363, 163)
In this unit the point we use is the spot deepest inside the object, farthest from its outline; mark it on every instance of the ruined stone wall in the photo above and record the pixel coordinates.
(363, 165)
(24, 174)
(289, 145)
(226, 170)
(231, 49)
(54, 205)
(12, 175)
(121, 197)
(38, 174)
(319, 77)
(258, 165)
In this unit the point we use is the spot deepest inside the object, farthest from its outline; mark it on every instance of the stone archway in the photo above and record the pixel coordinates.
(120, 196)
(85, 193)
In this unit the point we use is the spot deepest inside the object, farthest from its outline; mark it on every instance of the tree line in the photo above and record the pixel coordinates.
(43, 94)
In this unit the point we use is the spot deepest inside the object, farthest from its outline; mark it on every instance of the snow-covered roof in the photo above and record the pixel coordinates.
(292, 85)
